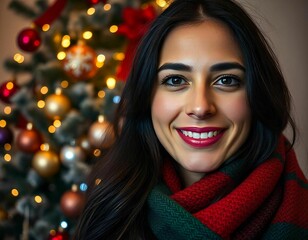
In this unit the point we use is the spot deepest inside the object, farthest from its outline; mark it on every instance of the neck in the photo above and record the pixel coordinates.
(188, 177)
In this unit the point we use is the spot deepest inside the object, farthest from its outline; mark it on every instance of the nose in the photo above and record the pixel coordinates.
(200, 104)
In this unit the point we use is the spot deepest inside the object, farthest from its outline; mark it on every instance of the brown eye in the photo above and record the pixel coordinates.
(228, 81)
(174, 81)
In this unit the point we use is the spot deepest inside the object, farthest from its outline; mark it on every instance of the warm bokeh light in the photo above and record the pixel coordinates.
(44, 90)
(57, 123)
(2, 123)
(101, 94)
(119, 56)
(64, 84)
(97, 152)
(14, 192)
(111, 83)
(161, 3)
(113, 29)
(87, 35)
(7, 110)
(66, 41)
(7, 157)
(44, 147)
(38, 199)
(9, 85)
(45, 27)
(52, 129)
(107, 7)
(61, 55)
(41, 104)
(7, 147)
(19, 58)
(91, 11)
(98, 181)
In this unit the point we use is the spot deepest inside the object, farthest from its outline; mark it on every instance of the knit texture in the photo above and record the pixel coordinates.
(271, 202)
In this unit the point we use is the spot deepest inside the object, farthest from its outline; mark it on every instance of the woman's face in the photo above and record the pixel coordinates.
(199, 110)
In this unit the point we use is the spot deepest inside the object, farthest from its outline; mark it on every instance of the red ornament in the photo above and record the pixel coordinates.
(29, 40)
(72, 203)
(80, 62)
(29, 141)
(7, 90)
(58, 235)
(94, 2)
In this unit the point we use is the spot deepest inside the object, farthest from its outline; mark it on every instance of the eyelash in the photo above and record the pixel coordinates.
(184, 81)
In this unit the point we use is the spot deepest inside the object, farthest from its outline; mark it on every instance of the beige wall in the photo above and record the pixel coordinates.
(283, 21)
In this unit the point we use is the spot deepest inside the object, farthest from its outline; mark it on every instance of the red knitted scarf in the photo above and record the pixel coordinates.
(274, 192)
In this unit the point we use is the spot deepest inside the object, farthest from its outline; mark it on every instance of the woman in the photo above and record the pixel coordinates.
(200, 153)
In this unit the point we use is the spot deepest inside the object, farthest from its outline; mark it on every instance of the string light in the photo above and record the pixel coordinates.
(161, 3)
(119, 56)
(45, 27)
(113, 29)
(66, 41)
(7, 110)
(61, 55)
(7, 147)
(7, 157)
(98, 181)
(52, 129)
(87, 35)
(2, 123)
(41, 104)
(57, 123)
(19, 58)
(44, 147)
(111, 83)
(97, 152)
(101, 94)
(64, 84)
(44, 90)
(64, 224)
(38, 199)
(107, 7)
(91, 11)
(14, 192)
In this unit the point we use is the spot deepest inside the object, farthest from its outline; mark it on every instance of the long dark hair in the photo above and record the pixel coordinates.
(120, 183)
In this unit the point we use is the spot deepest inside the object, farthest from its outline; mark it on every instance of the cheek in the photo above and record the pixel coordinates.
(163, 107)
(237, 109)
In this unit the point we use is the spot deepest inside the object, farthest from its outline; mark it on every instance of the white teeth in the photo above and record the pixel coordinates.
(203, 135)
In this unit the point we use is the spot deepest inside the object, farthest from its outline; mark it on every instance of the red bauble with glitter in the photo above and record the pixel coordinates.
(72, 203)
(7, 90)
(29, 39)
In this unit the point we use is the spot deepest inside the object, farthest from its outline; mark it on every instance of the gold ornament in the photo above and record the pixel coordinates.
(46, 163)
(57, 106)
(101, 135)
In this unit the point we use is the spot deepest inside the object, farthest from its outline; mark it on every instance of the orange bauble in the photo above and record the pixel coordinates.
(29, 141)
(72, 203)
(80, 62)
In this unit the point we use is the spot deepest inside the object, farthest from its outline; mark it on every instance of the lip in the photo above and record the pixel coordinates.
(201, 143)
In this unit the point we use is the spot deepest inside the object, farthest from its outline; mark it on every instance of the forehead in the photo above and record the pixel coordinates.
(210, 37)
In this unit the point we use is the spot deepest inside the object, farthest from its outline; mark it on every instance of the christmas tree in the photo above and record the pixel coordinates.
(56, 124)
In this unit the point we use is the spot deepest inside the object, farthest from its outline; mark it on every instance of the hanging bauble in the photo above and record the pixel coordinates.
(101, 134)
(46, 163)
(57, 106)
(72, 203)
(7, 90)
(29, 39)
(71, 155)
(3, 214)
(29, 140)
(94, 2)
(58, 235)
(80, 62)
(6, 136)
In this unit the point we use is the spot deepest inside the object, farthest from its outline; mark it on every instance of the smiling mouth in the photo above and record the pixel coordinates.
(203, 135)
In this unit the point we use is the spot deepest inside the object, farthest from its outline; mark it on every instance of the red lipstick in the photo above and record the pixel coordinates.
(200, 137)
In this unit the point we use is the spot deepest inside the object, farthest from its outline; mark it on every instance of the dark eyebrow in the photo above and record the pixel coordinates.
(226, 66)
(175, 66)
(215, 68)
